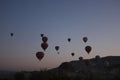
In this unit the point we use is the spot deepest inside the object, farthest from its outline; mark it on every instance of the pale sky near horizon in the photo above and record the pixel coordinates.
(99, 20)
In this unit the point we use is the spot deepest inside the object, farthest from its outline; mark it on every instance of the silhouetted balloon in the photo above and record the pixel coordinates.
(42, 35)
(98, 60)
(69, 39)
(40, 55)
(44, 46)
(11, 34)
(97, 57)
(72, 54)
(88, 49)
(85, 39)
(57, 48)
(44, 39)
(81, 58)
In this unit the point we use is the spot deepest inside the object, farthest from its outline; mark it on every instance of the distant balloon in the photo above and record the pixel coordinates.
(88, 49)
(40, 55)
(69, 39)
(44, 46)
(44, 39)
(97, 57)
(11, 34)
(57, 48)
(85, 39)
(42, 35)
(81, 58)
(72, 54)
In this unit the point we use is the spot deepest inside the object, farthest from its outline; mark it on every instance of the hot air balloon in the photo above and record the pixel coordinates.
(44, 39)
(97, 57)
(40, 55)
(88, 49)
(81, 58)
(69, 39)
(72, 54)
(57, 48)
(42, 35)
(11, 34)
(85, 39)
(44, 46)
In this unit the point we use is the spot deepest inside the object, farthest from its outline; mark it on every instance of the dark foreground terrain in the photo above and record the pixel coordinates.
(106, 68)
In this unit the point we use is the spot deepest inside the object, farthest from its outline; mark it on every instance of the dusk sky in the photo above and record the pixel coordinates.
(99, 20)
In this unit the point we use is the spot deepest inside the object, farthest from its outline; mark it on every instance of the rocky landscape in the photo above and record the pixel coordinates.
(98, 68)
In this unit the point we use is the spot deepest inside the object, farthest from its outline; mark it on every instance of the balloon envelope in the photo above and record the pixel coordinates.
(11, 34)
(42, 35)
(56, 48)
(44, 46)
(88, 49)
(40, 55)
(81, 58)
(69, 39)
(72, 54)
(85, 39)
(44, 39)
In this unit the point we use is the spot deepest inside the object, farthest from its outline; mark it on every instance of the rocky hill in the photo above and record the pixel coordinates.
(92, 69)
(94, 63)
(98, 68)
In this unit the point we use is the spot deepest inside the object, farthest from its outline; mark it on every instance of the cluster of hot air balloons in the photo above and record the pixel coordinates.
(87, 48)
(44, 46)
(69, 40)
